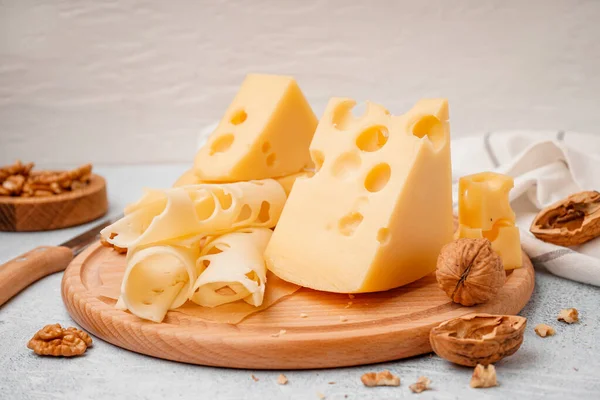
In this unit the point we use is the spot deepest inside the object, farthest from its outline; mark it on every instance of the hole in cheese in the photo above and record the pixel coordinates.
(266, 147)
(147, 303)
(221, 144)
(224, 199)
(318, 159)
(346, 113)
(432, 127)
(349, 223)
(245, 214)
(492, 234)
(271, 159)
(378, 177)
(205, 207)
(372, 138)
(239, 117)
(383, 236)
(263, 215)
(346, 165)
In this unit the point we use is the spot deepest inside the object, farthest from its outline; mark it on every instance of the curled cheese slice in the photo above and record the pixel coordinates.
(158, 279)
(236, 269)
(189, 213)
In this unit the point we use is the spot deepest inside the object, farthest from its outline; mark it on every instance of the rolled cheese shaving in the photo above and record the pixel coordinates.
(189, 213)
(236, 269)
(157, 279)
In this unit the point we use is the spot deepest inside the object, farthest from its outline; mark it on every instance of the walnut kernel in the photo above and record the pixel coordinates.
(282, 379)
(53, 340)
(483, 377)
(469, 271)
(544, 330)
(568, 315)
(421, 385)
(383, 378)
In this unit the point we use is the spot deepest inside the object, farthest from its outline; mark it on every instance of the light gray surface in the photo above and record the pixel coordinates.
(564, 366)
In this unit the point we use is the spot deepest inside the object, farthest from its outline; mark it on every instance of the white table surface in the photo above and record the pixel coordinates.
(566, 365)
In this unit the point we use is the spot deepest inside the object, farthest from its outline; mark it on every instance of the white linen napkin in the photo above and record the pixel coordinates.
(547, 166)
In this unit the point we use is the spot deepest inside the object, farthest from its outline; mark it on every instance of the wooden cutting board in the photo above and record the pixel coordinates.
(378, 327)
(23, 214)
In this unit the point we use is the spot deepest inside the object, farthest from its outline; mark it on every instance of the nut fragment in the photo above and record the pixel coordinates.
(282, 379)
(54, 340)
(568, 315)
(483, 377)
(383, 378)
(469, 271)
(422, 384)
(544, 330)
(571, 221)
(19, 180)
(478, 338)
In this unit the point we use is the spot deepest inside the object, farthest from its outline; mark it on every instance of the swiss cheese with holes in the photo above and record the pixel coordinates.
(484, 212)
(379, 208)
(265, 133)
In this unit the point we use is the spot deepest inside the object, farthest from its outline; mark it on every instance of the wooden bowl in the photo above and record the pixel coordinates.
(26, 214)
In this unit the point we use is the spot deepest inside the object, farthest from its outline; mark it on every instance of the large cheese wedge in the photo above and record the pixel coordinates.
(232, 268)
(379, 208)
(266, 132)
(484, 212)
(186, 214)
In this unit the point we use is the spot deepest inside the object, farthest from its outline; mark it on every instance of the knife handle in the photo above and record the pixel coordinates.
(22, 271)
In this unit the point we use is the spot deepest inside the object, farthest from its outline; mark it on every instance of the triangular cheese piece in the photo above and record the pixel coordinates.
(378, 210)
(265, 133)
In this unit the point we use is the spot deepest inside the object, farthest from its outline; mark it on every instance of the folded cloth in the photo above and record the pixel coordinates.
(547, 167)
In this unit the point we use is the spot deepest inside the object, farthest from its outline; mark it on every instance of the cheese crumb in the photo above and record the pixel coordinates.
(544, 330)
(282, 379)
(320, 395)
(281, 332)
(303, 315)
(351, 296)
(349, 304)
(568, 315)
(343, 319)
(255, 379)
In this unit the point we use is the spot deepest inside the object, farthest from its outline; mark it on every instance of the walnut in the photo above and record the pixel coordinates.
(544, 330)
(54, 340)
(478, 338)
(569, 315)
(469, 271)
(106, 243)
(19, 180)
(383, 378)
(483, 377)
(571, 221)
(422, 384)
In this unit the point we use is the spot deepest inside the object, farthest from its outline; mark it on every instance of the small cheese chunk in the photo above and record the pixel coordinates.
(379, 207)
(484, 212)
(266, 132)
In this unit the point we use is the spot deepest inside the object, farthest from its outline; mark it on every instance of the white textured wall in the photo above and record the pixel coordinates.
(132, 81)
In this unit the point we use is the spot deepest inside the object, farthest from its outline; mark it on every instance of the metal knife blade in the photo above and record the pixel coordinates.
(80, 242)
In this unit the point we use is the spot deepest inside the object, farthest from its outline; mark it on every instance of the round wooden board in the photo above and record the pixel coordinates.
(378, 327)
(24, 214)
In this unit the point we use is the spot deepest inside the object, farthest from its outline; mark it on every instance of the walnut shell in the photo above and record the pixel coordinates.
(469, 271)
(478, 338)
(569, 222)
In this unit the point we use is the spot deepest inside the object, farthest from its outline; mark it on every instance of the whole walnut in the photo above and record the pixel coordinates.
(469, 271)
